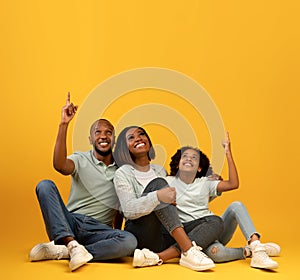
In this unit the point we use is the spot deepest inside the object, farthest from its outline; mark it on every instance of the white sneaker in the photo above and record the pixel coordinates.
(145, 257)
(48, 251)
(260, 259)
(78, 255)
(272, 249)
(195, 259)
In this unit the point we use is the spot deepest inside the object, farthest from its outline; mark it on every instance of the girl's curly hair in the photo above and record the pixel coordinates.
(204, 163)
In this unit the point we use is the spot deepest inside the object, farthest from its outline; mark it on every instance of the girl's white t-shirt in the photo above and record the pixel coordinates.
(193, 199)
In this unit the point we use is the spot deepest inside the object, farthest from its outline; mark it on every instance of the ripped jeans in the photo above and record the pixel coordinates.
(235, 214)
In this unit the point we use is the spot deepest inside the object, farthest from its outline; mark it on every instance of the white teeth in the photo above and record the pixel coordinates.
(187, 164)
(103, 144)
(140, 145)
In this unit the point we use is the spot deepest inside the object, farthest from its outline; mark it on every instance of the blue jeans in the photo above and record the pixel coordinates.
(235, 214)
(103, 242)
(154, 230)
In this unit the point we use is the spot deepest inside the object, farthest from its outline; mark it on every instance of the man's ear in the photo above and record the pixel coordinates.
(90, 140)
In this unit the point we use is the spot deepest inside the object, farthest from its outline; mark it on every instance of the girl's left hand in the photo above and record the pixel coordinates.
(226, 143)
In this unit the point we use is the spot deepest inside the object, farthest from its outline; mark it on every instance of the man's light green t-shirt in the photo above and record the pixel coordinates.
(92, 191)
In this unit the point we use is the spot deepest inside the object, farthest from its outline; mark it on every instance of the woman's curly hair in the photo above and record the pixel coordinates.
(204, 163)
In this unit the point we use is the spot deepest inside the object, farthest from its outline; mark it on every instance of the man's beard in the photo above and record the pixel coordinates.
(102, 153)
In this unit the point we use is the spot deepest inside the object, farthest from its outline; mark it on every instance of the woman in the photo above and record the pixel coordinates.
(148, 204)
(189, 168)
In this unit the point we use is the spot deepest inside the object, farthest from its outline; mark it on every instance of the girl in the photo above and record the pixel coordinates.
(189, 166)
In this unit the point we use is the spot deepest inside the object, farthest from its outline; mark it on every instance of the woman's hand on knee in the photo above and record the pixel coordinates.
(167, 195)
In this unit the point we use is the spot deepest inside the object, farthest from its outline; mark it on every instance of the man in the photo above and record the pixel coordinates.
(81, 231)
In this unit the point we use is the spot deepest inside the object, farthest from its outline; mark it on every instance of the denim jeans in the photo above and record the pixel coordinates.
(154, 230)
(235, 214)
(103, 242)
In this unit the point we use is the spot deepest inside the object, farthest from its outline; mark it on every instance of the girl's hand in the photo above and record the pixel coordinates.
(215, 177)
(226, 143)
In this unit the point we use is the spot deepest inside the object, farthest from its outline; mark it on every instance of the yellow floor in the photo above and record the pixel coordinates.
(15, 265)
(22, 227)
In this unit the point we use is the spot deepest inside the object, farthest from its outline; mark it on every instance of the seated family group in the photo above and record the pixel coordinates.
(167, 216)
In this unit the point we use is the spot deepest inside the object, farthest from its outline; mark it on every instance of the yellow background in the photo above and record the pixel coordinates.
(244, 53)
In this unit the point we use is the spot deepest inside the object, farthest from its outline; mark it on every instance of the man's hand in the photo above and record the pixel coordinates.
(68, 111)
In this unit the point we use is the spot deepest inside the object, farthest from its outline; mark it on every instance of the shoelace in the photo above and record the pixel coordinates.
(262, 253)
(58, 254)
(196, 250)
(72, 249)
(151, 258)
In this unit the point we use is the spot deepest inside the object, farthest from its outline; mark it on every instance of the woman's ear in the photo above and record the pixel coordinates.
(199, 169)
